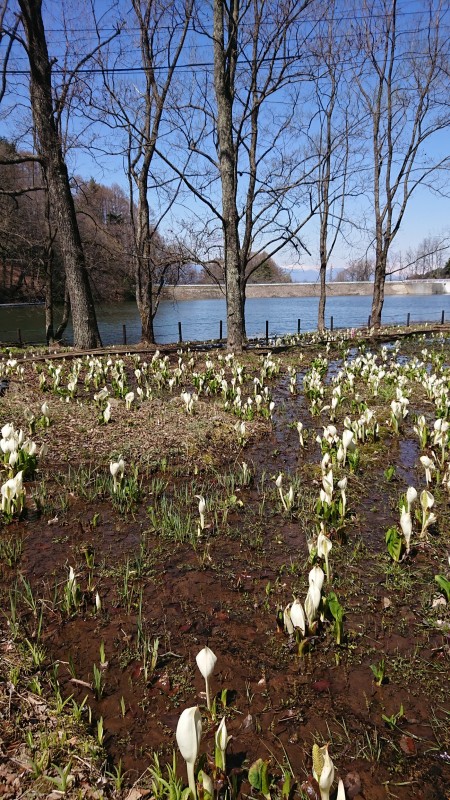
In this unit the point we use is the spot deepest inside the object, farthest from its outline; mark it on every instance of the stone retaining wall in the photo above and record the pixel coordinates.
(212, 292)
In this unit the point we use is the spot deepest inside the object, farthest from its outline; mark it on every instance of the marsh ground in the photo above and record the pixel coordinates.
(167, 589)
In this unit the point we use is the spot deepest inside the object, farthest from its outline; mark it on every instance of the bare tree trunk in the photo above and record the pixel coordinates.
(49, 330)
(323, 295)
(379, 281)
(224, 72)
(85, 329)
(65, 317)
(143, 272)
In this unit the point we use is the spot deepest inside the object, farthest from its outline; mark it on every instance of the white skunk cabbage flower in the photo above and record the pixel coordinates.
(107, 413)
(312, 603)
(297, 615)
(221, 741)
(188, 735)
(206, 661)
(287, 622)
(428, 465)
(323, 770)
(411, 497)
(347, 442)
(208, 786)
(406, 526)
(342, 484)
(341, 791)
(324, 547)
(201, 510)
(117, 469)
(426, 500)
(316, 576)
(129, 397)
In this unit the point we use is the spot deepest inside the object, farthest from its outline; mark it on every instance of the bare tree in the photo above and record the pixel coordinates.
(404, 88)
(135, 112)
(247, 167)
(48, 142)
(332, 142)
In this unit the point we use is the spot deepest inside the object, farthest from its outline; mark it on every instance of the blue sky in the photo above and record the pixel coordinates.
(427, 214)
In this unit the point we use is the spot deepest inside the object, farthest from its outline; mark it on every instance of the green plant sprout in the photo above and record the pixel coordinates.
(379, 672)
(393, 720)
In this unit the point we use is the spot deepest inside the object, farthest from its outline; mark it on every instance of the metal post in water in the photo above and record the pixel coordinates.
(19, 336)
(368, 321)
(298, 325)
(124, 333)
(180, 335)
(331, 324)
(407, 319)
(220, 331)
(442, 317)
(267, 331)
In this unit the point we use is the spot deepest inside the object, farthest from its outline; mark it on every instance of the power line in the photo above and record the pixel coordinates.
(262, 23)
(402, 57)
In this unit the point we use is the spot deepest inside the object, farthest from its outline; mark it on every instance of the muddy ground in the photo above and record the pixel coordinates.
(167, 589)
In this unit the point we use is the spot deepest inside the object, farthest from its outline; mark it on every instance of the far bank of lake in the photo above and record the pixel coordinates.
(287, 290)
(200, 319)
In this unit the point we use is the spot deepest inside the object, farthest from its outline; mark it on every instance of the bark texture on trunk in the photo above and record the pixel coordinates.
(85, 329)
(378, 286)
(224, 67)
(65, 317)
(323, 296)
(143, 269)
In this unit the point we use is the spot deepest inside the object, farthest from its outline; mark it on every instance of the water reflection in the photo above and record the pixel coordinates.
(200, 319)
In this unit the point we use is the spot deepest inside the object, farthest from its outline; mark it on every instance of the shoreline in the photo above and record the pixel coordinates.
(205, 291)
(434, 286)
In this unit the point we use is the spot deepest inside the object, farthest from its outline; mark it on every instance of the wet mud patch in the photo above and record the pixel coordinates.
(167, 587)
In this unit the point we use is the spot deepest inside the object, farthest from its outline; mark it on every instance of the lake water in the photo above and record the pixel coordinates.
(200, 319)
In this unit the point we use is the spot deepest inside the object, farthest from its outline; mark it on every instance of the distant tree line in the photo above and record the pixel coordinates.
(30, 251)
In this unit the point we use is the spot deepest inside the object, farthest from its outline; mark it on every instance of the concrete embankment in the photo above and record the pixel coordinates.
(213, 292)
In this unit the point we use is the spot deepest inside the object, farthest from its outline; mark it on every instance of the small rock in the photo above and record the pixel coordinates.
(310, 788)
(248, 723)
(322, 685)
(352, 785)
(408, 745)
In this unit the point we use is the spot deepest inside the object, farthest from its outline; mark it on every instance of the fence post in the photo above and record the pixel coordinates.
(267, 331)
(407, 319)
(180, 336)
(19, 336)
(442, 317)
(124, 333)
(220, 331)
(368, 321)
(298, 325)
(331, 324)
